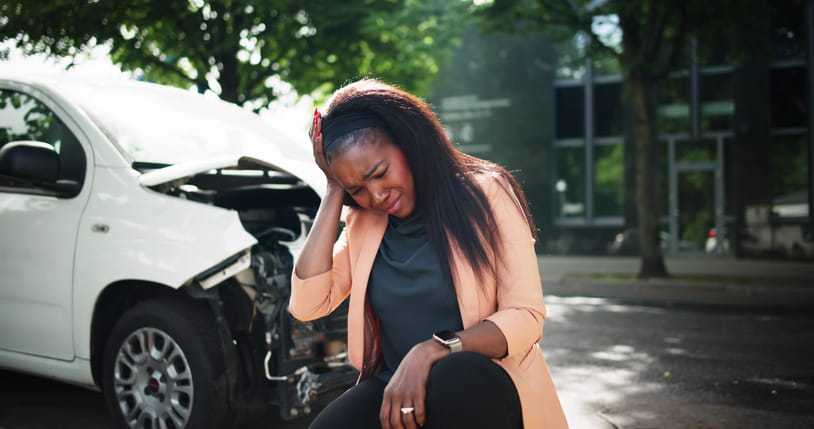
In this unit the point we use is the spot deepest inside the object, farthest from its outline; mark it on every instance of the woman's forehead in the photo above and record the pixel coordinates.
(359, 163)
(362, 157)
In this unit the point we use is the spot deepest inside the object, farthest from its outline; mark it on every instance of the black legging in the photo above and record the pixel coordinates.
(464, 390)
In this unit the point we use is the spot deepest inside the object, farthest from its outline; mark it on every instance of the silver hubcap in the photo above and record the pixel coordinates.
(152, 381)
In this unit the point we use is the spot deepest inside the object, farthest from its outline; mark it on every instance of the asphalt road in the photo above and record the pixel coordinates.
(616, 364)
(646, 366)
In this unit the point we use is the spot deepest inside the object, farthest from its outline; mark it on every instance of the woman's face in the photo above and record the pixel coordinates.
(377, 176)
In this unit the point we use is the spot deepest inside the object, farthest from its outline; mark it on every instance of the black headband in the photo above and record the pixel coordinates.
(346, 123)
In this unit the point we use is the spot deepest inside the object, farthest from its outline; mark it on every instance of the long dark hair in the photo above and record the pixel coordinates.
(452, 205)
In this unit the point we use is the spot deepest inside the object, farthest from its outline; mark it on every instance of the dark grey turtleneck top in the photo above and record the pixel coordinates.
(409, 292)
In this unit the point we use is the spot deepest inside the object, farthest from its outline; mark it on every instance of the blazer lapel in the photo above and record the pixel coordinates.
(370, 238)
(365, 237)
(466, 289)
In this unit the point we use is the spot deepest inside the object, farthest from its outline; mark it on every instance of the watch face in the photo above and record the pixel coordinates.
(446, 335)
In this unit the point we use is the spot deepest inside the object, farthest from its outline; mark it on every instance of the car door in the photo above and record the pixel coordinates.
(38, 234)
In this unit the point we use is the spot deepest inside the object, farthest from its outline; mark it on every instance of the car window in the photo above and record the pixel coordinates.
(23, 117)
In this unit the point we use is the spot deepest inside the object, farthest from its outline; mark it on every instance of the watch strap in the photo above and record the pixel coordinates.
(455, 346)
(449, 340)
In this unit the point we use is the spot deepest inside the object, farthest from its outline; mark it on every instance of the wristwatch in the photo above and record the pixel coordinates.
(449, 339)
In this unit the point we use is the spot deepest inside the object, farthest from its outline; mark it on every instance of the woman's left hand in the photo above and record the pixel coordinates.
(408, 387)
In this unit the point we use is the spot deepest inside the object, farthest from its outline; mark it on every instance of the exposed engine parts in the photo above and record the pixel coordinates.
(303, 363)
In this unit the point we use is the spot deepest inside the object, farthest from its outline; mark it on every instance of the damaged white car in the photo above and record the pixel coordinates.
(146, 244)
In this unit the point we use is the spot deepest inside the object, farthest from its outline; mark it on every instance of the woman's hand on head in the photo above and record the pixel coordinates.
(315, 134)
(408, 387)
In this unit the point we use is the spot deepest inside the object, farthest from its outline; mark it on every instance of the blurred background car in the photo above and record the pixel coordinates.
(626, 243)
(711, 244)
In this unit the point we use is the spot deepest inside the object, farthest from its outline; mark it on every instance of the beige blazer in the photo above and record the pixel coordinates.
(513, 300)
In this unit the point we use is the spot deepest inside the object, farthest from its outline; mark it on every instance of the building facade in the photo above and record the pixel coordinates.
(734, 154)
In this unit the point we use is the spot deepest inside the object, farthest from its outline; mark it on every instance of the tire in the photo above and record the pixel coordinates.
(163, 367)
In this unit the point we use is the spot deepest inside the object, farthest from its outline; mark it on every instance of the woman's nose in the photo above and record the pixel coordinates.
(378, 195)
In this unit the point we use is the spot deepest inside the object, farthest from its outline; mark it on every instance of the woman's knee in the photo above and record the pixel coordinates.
(462, 365)
(470, 390)
(467, 373)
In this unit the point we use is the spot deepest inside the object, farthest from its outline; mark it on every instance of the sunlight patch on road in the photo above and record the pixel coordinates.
(621, 353)
(563, 305)
(575, 300)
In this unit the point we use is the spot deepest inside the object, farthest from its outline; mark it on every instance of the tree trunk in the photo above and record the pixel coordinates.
(647, 207)
(229, 80)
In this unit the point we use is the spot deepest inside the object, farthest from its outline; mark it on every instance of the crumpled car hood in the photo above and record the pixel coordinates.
(307, 171)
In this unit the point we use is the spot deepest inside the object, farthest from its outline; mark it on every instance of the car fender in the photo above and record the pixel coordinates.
(129, 232)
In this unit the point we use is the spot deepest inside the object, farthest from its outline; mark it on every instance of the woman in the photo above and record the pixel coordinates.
(438, 259)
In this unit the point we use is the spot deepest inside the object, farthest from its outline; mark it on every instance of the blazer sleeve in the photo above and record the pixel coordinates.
(319, 295)
(520, 309)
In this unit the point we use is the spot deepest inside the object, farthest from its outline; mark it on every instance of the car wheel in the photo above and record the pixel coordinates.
(162, 367)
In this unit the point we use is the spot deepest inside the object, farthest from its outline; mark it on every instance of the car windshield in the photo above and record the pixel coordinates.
(155, 124)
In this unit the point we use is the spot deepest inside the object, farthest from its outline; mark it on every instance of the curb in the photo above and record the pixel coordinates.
(787, 295)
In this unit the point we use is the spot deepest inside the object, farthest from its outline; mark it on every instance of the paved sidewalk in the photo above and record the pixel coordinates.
(723, 281)
(694, 280)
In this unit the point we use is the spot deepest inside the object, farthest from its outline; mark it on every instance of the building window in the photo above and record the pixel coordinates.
(788, 100)
(570, 184)
(696, 214)
(788, 36)
(608, 109)
(674, 105)
(790, 145)
(589, 151)
(789, 176)
(570, 111)
(609, 179)
(717, 104)
(702, 150)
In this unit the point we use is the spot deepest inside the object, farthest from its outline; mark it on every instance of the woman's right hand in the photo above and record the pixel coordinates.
(316, 256)
(315, 134)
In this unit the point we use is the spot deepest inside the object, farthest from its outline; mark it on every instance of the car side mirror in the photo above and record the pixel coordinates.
(36, 163)
(29, 160)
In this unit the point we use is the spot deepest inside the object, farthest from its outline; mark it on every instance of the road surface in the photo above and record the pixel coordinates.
(624, 364)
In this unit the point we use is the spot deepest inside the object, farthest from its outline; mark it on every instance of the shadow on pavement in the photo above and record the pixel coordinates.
(30, 402)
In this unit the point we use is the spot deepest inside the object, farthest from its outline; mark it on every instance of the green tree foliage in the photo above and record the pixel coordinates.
(240, 48)
(655, 37)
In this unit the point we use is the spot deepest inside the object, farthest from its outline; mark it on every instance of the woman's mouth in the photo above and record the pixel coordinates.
(394, 207)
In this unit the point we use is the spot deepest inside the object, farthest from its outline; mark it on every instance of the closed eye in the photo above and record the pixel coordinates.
(380, 175)
(356, 190)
